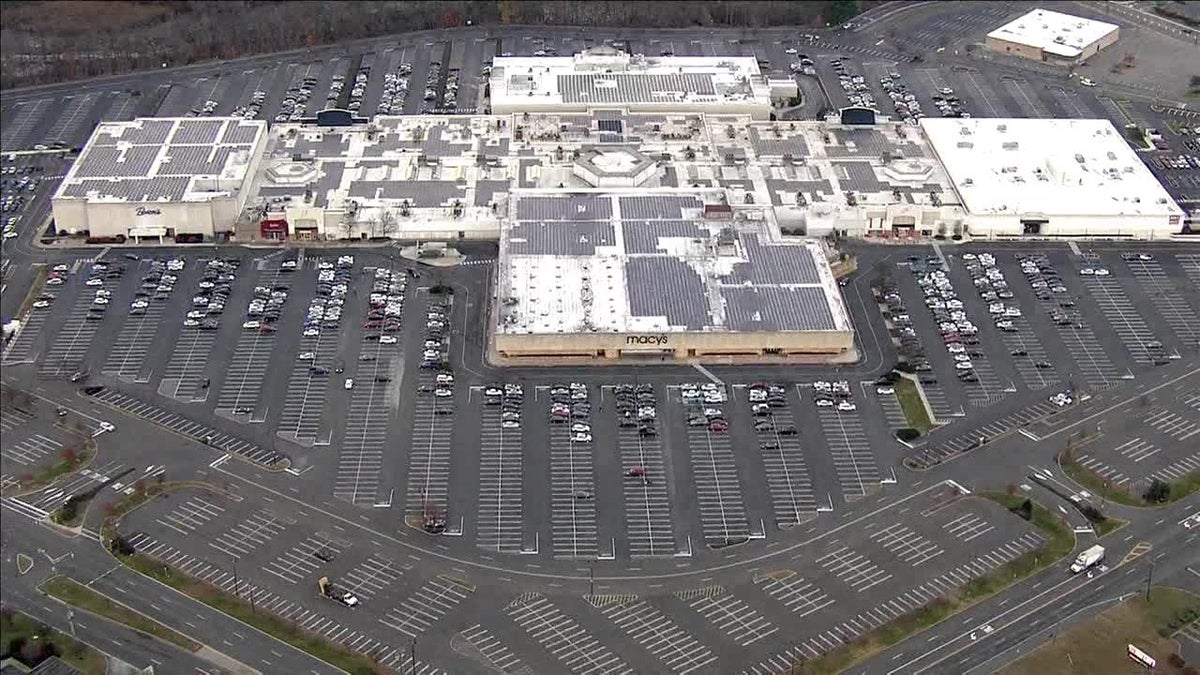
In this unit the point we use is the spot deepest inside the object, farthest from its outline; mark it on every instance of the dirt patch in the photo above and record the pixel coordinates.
(74, 17)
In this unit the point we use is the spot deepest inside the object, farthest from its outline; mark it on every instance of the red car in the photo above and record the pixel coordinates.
(718, 426)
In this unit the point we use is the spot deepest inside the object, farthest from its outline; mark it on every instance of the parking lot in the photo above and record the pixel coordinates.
(1158, 443)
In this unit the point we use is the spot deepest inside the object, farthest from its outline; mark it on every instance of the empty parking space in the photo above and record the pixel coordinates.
(1190, 262)
(715, 477)
(907, 545)
(853, 568)
(183, 376)
(1121, 316)
(792, 498)
(648, 523)
(71, 118)
(1165, 295)
(247, 366)
(190, 515)
(500, 524)
(1092, 361)
(429, 453)
(496, 653)
(977, 437)
(800, 596)
(31, 450)
(244, 537)
(373, 576)
(1174, 425)
(424, 608)
(29, 342)
(560, 635)
(303, 408)
(67, 351)
(674, 647)
(24, 118)
(301, 562)
(11, 418)
(968, 526)
(572, 484)
(730, 615)
(202, 433)
(372, 395)
(850, 449)
(128, 354)
(395, 657)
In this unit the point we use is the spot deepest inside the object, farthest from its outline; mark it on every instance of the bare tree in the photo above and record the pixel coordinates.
(386, 223)
(346, 225)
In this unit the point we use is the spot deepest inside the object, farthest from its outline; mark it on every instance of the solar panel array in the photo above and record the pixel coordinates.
(627, 88)
(656, 207)
(572, 207)
(667, 287)
(131, 189)
(771, 146)
(197, 132)
(775, 264)
(642, 236)
(152, 132)
(111, 162)
(576, 238)
(237, 133)
(197, 160)
(777, 308)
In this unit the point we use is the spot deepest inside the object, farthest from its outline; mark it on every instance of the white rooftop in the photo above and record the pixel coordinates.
(603, 76)
(172, 159)
(1047, 166)
(1053, 32)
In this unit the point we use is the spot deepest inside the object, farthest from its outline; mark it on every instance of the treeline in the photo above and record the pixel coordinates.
(43, 42)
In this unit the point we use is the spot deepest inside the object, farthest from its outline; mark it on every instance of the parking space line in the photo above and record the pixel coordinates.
(431, 602)
(31, 450)
(792, 498)
(497, 654)
(373, 576)
(572, 502)
(1120, 314)
(678, 650)
(909, 546)
(732, 617)
(717, 488)
(858, 474)
(245, 536)
(500, 521)
(561, 636)
(800, 596)
(1175, 311)
(301, 562)
(648, 522)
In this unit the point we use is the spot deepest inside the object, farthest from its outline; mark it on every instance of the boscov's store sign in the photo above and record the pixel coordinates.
(143, 211)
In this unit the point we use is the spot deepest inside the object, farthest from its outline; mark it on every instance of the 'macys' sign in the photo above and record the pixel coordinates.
(652, 340)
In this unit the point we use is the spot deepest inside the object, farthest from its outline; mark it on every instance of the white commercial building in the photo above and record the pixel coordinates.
(604, 77)
(1051, 178)
(1043, 35)
(183, 178)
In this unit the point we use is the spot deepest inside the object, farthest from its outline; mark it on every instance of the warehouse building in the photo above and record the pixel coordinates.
(1053, 37)
(663, 274)
(148, 179)
(603, 77)
(1051, 178)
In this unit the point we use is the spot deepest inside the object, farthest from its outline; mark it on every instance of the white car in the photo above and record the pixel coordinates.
(349, 383)
(581, 438)
(307, 356)
(311, 332)
(1101, 272)
(846, 406)
(94, 282)
(433, 344)
(510, 424)
(442, 392)
(251, 325)
(445, 378)
(962, 358)
(581, 428)
(61, 268)
(139, 304)
(963, 365)
(1086, 271)
(790, 50)
(100, 301)
(54, 281)
(387, 339)
(824, 403)
(41, 304)
(1087, 82)
(885, 390)
(955, 348)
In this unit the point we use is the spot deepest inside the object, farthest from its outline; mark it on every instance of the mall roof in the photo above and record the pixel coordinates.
(1053, 32)
(1045, 166)
(164, 160)
(605, 76)
(649, 262)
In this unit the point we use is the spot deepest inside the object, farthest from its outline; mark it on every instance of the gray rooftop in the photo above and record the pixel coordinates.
(575, 238)
(774, 264)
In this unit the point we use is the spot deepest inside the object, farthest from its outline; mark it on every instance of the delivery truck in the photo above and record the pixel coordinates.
(1089, 558)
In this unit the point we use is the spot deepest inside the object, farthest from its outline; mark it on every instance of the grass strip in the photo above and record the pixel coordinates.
(74, 593)
(271, 624)
(1097, 644)
(48, 474)
(25, 635)
(913, 405)
(1060, 541)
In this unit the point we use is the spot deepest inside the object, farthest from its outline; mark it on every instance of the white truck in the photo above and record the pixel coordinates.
(1087, 559)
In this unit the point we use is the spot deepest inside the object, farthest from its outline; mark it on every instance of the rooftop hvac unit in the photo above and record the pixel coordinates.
(1001, 128)
(1009, 145)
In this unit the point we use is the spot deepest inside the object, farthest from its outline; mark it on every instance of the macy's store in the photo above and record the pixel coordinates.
(682, 345)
